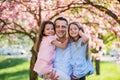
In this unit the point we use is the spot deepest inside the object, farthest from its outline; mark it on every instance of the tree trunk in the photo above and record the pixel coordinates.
(33, 74)
(97, 66)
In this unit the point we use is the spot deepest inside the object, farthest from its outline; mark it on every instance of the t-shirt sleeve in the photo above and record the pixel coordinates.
(51, 38)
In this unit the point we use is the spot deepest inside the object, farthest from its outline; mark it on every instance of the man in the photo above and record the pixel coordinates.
(62, 56)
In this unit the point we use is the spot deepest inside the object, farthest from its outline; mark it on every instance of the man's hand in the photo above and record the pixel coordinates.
(51, 75)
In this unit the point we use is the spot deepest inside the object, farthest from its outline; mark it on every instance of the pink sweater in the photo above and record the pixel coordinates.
(45, 55)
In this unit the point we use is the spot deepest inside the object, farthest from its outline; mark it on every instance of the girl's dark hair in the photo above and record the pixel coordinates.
(80, 28)
(41, 33)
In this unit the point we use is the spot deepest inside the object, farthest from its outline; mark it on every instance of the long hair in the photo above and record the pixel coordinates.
(41, 33)
(80, 28)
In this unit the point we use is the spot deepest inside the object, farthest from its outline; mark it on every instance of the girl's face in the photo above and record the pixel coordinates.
(49, 30)
(73, 31)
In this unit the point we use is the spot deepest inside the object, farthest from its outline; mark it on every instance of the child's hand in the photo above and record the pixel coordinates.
(80, 32)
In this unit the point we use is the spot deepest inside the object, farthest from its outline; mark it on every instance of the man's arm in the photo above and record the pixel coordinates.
(51, 75)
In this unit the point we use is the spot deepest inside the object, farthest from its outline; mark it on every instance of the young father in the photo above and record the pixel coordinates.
(62, 56)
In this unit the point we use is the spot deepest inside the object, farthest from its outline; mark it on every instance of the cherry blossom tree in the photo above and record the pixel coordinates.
(100, 19)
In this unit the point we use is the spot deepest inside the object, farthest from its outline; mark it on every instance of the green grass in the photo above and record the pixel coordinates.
(108, 71)
(14, 69)
(18, 69)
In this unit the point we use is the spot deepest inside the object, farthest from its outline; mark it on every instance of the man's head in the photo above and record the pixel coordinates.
(61, 25)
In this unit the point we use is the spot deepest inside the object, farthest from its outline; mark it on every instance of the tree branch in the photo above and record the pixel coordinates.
(104, 9)
(62, 10)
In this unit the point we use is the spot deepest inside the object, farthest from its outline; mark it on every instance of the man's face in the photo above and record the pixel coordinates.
(61, 28)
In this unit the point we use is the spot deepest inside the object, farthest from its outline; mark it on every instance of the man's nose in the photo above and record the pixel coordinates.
(61, 28)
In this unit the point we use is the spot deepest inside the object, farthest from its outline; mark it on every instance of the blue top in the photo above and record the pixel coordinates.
(62, 60)
(81, 65)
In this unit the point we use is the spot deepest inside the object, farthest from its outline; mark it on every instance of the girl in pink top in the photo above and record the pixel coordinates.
(46, 47)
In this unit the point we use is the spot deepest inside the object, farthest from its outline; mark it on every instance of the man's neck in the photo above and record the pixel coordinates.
(61, 39)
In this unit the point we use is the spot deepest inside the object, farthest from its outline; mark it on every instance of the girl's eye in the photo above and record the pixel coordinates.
(57, 26)
(47, 29)
(52, 28)
(75, 29)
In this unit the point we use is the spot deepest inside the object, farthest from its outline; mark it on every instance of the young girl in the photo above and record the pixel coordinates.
(46, 44)
(79, 50)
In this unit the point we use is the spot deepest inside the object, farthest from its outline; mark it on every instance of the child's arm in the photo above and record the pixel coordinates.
(85, 38)
(60, 44)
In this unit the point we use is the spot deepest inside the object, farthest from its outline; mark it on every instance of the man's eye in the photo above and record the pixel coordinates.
(63, 26)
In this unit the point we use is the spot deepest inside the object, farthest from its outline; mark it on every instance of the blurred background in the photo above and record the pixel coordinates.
(20, 22)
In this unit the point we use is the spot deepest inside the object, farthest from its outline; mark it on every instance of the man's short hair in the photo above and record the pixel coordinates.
(61, 18)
